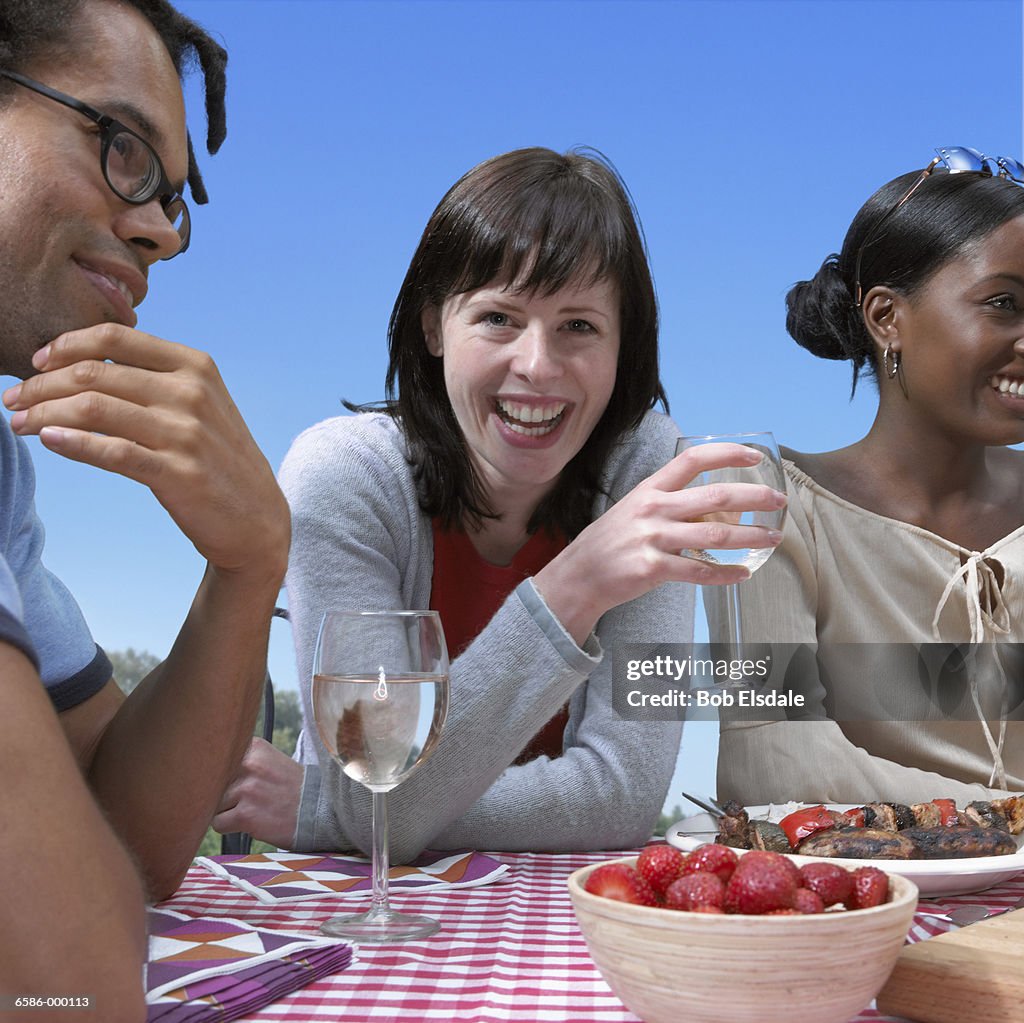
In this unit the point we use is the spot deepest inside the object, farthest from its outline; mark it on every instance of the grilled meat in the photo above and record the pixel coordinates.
(766, 835)
(859, 844)
(904, 816)
(927, 815)
(960, 841)
(983, 814)
(888, 816)
(733, 826)
(880, 816)
(1001, 814)
(739, 831)
(1012, 808)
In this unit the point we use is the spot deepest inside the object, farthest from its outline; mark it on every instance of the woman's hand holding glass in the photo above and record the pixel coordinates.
(765, 470)
(638, 544)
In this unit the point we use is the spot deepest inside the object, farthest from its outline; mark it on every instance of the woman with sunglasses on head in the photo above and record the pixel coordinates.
(519, 483)
(903, 559)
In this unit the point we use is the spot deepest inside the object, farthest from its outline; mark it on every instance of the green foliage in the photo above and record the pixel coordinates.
(287, 720)
(665, 821)
(210, 845)
(131, 666)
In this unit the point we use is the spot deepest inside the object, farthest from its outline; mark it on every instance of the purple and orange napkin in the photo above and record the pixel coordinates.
(213, 969)
(273, 877)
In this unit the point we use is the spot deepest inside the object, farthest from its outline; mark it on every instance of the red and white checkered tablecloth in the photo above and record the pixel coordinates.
(509, 952)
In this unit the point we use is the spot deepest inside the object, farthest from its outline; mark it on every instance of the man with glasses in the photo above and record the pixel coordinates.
(104, 799)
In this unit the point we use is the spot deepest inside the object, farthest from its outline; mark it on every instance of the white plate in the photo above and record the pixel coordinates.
(932, 877)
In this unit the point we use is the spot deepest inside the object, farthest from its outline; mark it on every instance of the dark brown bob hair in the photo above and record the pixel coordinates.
(543, 220)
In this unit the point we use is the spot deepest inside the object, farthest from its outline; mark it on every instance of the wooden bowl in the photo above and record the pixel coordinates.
(668, 966)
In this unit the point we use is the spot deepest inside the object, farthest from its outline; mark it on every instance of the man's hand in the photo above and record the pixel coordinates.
(159, 413)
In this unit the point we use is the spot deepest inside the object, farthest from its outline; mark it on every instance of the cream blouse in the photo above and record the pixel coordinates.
(845, 575)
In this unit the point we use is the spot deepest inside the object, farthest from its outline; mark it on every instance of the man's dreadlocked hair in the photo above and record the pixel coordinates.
(31, 29)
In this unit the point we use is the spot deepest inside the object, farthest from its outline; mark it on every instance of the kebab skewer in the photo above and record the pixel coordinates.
(933, 830)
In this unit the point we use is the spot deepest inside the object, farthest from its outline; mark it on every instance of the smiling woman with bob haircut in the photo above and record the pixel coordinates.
(519, 483)
(903, 557)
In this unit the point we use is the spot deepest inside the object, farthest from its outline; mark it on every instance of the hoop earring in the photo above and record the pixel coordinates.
(891, 361)
(893, 364)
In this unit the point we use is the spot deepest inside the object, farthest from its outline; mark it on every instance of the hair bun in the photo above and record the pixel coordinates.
(821, 315)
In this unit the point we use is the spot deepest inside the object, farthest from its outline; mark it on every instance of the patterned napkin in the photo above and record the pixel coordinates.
(202, 970)
(273, 877)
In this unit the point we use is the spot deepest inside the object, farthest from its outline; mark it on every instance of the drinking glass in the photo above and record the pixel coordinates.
(769, 472)
(380, 698)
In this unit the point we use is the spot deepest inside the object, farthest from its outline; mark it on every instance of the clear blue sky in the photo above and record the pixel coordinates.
(748, 132)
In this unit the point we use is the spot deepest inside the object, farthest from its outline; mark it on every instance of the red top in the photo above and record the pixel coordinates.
(467, 591)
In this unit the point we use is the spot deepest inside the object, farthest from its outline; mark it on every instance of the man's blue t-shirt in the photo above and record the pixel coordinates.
(11, 628)
(71, 665)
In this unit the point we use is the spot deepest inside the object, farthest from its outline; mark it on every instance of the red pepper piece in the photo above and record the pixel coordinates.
(855, 816)
(801, 823)
(950, 815)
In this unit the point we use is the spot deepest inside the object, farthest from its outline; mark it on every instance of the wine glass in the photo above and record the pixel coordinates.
(380, 698)
(768, 472)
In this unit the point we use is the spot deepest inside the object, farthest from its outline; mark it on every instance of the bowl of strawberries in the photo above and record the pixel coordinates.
(712, 937)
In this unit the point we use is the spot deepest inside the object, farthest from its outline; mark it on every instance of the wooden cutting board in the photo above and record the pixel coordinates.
(971, 975)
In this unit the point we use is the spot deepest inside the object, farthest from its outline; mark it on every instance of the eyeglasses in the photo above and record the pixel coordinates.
(956, 160)
(130, 164)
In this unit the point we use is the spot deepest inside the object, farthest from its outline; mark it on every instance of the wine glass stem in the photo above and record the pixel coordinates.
(732, 621)
(380, 852)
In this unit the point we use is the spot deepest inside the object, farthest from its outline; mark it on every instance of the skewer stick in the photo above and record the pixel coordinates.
(712, 808)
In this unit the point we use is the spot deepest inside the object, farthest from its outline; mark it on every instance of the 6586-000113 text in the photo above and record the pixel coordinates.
(21, 1003)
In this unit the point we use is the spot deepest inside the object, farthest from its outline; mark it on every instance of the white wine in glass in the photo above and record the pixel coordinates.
(380, 698)
(767, 472)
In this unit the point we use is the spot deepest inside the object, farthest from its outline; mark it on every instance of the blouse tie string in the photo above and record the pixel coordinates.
(989, 617)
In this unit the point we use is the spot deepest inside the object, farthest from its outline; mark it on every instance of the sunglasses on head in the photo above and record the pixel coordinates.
(955, 160)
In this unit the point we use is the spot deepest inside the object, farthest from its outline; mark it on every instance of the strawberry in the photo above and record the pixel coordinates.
(622, 883)
(806, 901)
(759, 887)
(757, 858)
(659, 866)
(870, 888)
(696, 892)
(828, 880)
(712, 859)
